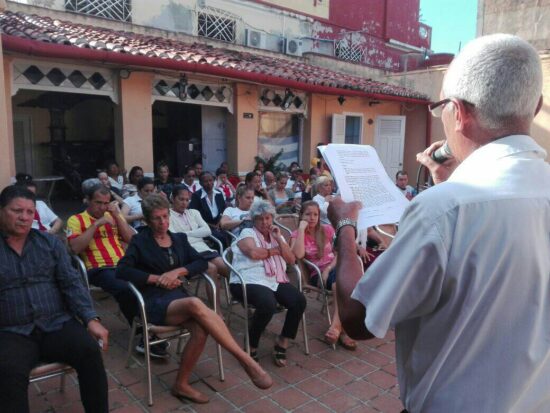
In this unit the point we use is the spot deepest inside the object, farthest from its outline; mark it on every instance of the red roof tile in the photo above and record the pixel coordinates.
(45, 29)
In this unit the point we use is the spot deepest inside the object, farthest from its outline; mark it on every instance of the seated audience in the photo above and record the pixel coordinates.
(282, 197)
(164, 182)
(156, 262)
(115, 175)
(224, 166)
(211, 204)
(135, 175)
(225, 187)
(260, 166)
(197, 165)
(307, 192)
(44, 218)
(235, 219)
(323, 189)
(253, 181)
(190, 222)
(115, 193)
(189, 180)
(97, 235)
(269, 180)
(313, 241)
(134, 217)
(261, 255)
(296, 182)
(46, 313)
(401, 181)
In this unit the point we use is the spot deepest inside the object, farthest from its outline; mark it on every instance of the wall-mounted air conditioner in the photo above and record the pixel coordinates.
(255, 38)
(293, 47)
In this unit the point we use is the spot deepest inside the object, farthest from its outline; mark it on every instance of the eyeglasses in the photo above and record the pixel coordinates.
(436, 109)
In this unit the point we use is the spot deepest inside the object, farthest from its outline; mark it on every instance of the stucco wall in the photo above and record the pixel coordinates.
(527, 19)
(137, 121)
(7, 165)
(242, 137)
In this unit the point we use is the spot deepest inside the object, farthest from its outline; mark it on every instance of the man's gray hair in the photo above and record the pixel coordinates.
(501, 75)
(259, 208)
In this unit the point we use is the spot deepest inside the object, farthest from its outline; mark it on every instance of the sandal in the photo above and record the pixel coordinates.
(347, 342)
(331, 336)
(279, 356)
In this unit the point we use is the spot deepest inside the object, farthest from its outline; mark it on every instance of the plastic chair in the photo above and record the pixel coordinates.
(165, 333)
(228, 257)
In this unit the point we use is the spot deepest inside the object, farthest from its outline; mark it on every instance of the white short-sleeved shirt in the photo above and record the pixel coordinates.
(47, 216)
(134, 205)
(253, 271)
(235, 214)
(466, 285)
(323, 207)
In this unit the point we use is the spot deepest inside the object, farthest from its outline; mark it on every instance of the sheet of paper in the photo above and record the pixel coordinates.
(360, 176)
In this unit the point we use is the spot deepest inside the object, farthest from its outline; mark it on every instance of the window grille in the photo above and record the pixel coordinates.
(347, 51)
(110, 9)
(216, 27)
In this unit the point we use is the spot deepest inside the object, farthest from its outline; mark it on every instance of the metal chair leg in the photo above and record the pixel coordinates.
(148, 365)
(131, 343)
(304, 330)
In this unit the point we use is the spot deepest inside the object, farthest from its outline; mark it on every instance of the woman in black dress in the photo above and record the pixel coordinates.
(156, 262)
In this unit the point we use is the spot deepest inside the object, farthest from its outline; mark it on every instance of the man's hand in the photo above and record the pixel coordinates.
(105, 219)
(440, 171)
(97, 331)
(339, 210)
(113, 208)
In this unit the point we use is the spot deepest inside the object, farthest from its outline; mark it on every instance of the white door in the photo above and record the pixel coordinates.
(23, 150)
(389, 142)
(338, 128)
(214, 137)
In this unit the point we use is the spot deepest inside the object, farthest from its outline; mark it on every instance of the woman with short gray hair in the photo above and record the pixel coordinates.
(260, 255)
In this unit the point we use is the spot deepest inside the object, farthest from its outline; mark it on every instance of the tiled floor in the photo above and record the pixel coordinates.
(326, 380)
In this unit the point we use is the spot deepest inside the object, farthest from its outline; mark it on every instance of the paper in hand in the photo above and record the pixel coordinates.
(360, 176)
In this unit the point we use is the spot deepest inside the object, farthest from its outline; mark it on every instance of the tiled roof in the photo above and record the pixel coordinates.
(45, 29)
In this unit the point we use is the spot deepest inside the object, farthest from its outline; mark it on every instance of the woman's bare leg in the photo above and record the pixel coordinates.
(189, 358)
(212, 271)
(192, 308)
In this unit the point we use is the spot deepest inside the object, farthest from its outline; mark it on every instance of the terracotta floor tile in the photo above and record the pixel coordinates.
(361, 390)
(387, 403)
(339, 401)
(381, 379)
(357, 367)
(290, 398)
(315, 387)
(264, 406)
(336, 377)
(242, 395)
(312, 407)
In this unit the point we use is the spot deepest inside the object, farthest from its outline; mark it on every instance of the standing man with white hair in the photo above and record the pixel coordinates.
(467, 295)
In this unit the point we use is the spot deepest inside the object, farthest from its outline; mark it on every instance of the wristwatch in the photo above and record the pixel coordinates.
(341, 224)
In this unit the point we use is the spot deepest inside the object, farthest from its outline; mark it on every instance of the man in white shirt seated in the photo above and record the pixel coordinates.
(401, 181)
(467, 295)
(44, 218)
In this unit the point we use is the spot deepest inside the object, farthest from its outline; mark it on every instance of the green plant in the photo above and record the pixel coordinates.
(272, 164)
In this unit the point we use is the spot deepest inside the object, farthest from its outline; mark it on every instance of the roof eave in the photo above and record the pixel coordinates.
(51, 50)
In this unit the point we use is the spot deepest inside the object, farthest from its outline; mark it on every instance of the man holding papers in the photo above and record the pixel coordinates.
(467, 295)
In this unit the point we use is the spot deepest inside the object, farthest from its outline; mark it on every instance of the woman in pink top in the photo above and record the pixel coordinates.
(313, 241)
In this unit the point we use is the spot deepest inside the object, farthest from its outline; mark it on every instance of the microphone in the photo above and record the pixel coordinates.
(442, 153)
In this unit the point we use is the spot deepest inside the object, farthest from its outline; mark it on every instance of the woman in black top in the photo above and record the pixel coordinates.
(156, 262)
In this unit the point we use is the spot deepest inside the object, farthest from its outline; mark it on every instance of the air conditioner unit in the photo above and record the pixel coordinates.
(255, 39)
(293, 47)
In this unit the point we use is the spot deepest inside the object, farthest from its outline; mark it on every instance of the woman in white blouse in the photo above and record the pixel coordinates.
(190, 222)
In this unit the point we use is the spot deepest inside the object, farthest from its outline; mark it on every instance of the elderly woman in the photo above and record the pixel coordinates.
(261, 255)
(156, 262)
(323, 189)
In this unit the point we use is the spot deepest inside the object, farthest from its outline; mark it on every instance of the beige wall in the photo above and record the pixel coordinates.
(526, 18)
(137, 122)
(319, 123)
(7, 164)
(242, 136)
